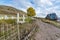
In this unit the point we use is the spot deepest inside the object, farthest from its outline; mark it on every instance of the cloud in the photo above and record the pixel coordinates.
(46, 2)
(42, 7)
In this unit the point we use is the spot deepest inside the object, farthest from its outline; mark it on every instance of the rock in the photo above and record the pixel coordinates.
(52, 16)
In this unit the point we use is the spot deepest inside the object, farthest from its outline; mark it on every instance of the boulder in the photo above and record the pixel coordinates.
(52, 16)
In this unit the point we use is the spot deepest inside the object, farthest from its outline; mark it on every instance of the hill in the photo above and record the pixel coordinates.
(47, 30)
(10, 10)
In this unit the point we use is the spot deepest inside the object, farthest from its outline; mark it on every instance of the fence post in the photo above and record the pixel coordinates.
(5, 17)
(23, 18)
(17, 18)
(18, 32)
(4, 31)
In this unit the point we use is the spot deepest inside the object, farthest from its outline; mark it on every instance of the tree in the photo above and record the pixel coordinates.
(31, 11)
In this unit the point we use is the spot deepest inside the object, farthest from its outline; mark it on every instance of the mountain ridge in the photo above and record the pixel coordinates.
(10, 10)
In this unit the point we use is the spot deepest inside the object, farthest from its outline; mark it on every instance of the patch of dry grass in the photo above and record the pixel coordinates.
(26, 28)
(55, 23)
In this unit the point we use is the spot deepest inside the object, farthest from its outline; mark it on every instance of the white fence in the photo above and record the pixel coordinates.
(18, 21)
(13, 17)
(11, 31)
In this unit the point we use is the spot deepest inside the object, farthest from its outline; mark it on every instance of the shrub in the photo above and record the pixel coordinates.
(28, 19)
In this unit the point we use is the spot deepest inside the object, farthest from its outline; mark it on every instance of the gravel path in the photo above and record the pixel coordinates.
(47, 32)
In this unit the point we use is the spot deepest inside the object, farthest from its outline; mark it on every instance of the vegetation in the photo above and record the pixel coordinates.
(31, 11)
(28, 19)
(24, 29)
(8, 21)
(55, 23)
(8, 10)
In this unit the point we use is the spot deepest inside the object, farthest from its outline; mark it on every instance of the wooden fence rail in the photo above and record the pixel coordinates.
(8, 32)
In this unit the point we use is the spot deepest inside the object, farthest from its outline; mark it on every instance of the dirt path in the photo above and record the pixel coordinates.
(47, 32)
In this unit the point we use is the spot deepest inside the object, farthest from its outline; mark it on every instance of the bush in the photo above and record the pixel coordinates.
(28, 19)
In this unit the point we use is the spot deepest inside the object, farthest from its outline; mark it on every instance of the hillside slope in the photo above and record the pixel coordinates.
(47, 31)
(10, 10)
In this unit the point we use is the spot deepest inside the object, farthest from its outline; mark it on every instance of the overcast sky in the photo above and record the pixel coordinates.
(42, 7)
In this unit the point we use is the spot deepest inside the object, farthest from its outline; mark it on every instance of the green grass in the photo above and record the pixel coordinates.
(29, 20)
(8, 21)
(1, 34)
